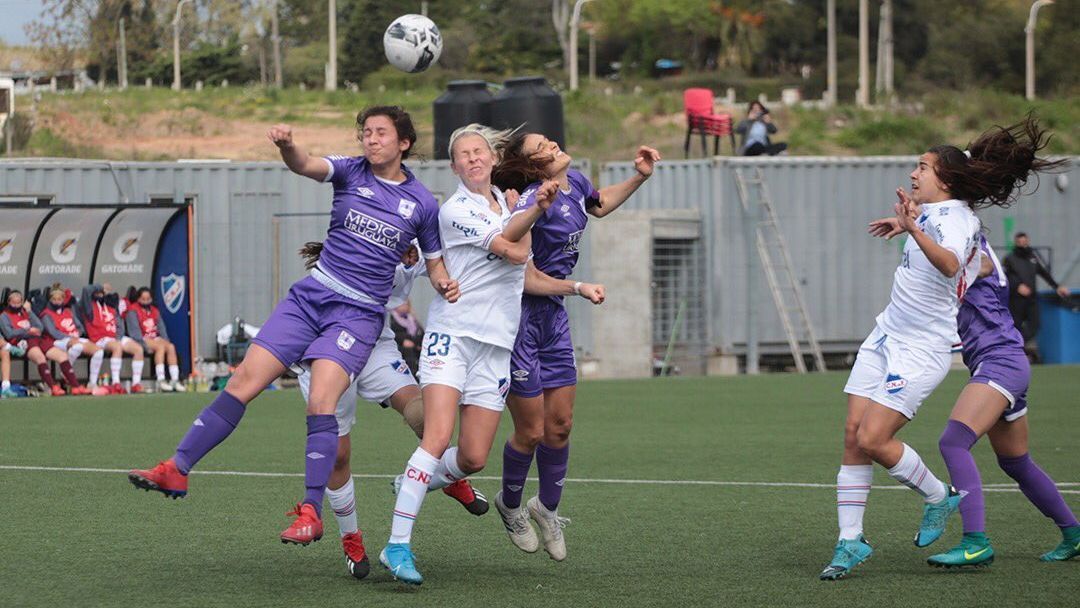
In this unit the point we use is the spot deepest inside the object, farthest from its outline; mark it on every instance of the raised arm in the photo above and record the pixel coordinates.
(536, 205)
(539, 283)
(296, 158)
(611, 197)
(945, 260)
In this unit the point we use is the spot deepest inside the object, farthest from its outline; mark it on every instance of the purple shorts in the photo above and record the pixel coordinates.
(1009, 372)
(313, 322)
(543, 355)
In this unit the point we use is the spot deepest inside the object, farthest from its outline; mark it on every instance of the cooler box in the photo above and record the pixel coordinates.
(1059, 334)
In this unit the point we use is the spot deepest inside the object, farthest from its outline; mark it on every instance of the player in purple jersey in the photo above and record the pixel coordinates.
(543, 369)
(908, 353)
(331, 319)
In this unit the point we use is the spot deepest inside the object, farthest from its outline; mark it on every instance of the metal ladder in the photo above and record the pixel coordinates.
(786, 293)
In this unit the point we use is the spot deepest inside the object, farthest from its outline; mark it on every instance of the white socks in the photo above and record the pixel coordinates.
(159, 371)
(414, 485)
(447, 472)
(95, 366)
(114, 364)
(174, 373)
(912, 472)
(136, 372)
(343, 502)
(852, 490)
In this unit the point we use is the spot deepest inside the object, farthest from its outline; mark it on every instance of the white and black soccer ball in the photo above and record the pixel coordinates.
(412, 43)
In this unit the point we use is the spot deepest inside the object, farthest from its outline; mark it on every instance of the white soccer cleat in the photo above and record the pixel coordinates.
(163, 386)
(551, 526)
(179, 387)
(517, 525)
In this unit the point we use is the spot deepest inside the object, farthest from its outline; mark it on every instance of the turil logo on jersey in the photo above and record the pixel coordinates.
(573, 242)
(894, 384)
(467, 231)
(372, 230)
(405, 208)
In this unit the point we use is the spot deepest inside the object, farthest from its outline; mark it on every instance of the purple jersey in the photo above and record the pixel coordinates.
(984, 322)
(557, 234)
(371, 225)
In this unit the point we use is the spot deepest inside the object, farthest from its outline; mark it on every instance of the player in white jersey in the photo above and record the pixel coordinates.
(909, 351)
(385, 380)
(465, 356)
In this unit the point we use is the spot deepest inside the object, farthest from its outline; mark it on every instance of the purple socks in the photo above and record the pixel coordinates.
(955, 444)
(1039, 489)
(322, 440)
(551, 463)
(514, 473)
(210, 428)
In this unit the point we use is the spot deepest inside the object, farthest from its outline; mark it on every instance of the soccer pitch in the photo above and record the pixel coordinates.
(684, 492)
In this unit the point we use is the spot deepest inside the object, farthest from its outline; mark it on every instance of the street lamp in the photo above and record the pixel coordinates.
(176, 46)
(575, 19)
(1029, 29)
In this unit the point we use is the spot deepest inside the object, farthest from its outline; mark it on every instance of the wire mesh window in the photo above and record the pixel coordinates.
(678, 304)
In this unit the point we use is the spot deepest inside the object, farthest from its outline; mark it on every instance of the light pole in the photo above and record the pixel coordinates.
(575, 19)
(176, 45)
(331, 70)
(121, 58)
(1029, 29)
(863, 96)
(830, 8)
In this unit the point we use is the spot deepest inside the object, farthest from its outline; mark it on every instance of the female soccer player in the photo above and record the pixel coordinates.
(104, 327)
(24, 331)
(145, 325)
(466, 351)
(332, 318)
(62, 325)
(543, 370)
(907, 355)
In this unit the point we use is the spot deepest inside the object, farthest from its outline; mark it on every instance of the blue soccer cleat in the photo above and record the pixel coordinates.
(974, 551)
(1068, 549)
(936, 515)
(398, 559)
(847, 555)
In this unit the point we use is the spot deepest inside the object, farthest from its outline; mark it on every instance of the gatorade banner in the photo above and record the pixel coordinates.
(65, 248)
(128, 245)
(18, 227)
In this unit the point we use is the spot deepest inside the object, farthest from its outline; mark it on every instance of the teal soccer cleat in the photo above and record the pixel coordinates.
(848, 554)
(936, 515)
(1068, 549)
(398, 559)
(974, 551)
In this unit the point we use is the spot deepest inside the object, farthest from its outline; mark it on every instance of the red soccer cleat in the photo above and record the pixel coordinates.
(355, 555)
(57, 390)
(164, 478)
(136, 388)
(117, 389)
(80, 390)
(306, 529)
(463, 492)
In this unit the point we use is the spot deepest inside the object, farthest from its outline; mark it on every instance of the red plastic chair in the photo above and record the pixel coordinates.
(698, 104)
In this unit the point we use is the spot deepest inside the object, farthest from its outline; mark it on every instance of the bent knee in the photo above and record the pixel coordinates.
(471, 464)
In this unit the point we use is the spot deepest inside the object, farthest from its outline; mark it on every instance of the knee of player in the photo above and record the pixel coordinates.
(559, 425)
(851, 433)
(869, 441)
(471, 463)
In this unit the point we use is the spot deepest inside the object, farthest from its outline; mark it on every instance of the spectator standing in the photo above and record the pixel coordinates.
(1022, 266)
(408, 333)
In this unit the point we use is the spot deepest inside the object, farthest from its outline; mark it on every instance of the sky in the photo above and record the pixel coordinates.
(17, 13)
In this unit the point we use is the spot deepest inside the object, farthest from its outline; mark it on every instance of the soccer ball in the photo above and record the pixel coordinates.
(412, 43)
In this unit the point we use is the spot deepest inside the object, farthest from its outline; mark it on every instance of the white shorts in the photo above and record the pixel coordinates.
(66, 343)
(897, 375)
(479, 370)
(123, 341)
(384, 374)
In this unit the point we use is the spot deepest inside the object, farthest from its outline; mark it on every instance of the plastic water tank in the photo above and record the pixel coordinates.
(464, 102)
(531, 101)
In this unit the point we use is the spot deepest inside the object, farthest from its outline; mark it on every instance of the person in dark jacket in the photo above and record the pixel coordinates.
(408, 333)
(1022, 266)
(755, 131)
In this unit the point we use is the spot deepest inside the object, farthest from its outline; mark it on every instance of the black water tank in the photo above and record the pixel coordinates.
(531, 101)
(464, 102)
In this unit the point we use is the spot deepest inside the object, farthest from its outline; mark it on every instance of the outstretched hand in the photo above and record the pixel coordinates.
(281, 135)
(886, 228)
(906, 211)
(646, 160)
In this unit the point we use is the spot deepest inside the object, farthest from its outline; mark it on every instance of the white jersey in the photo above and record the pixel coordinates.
(490, 305)
(924, 303)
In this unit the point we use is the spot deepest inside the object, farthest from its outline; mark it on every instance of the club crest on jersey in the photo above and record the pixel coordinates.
(345, 341)
(405, 208)
(368, 192)
(565, 210)
(894, 384)
(172, 291)
(399, 367)
(573, 242)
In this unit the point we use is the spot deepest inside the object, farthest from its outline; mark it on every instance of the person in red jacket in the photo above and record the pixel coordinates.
(5, 371)
(63, 326)
(105, 328)
(24, 331)
(145, 325)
